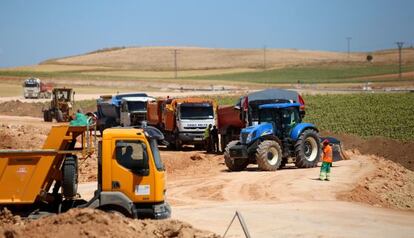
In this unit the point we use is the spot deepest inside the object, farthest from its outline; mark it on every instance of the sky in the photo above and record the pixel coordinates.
(33, 31)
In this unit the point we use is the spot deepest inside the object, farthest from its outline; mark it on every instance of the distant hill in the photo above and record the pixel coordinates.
(193, 58)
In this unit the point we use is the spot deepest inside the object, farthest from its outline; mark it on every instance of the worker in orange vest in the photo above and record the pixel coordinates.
(326, 161)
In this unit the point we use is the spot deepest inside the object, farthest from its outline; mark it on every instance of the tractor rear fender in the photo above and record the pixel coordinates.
(299, 128)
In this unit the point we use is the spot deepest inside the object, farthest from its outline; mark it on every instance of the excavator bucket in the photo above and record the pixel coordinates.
(337, 149)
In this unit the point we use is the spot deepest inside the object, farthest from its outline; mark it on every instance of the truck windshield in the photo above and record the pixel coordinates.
(156, 155)
(196, 112)
(137, 106)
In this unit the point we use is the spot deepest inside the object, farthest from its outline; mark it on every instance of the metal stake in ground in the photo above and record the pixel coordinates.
(242, 223)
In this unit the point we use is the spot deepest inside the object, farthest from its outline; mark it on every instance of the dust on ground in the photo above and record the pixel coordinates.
(94, 223)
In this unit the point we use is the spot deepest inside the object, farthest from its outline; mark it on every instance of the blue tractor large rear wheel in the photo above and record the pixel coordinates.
(307, 149)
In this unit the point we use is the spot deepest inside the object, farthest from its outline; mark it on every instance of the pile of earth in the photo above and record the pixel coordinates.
(32, 109)
(398, 151)
(389, 185)
(186, 163)
(22, 136)
(18, 108)
(95, 223)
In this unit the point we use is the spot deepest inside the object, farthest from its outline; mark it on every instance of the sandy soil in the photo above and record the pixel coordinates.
(365, 193)
(94, 223)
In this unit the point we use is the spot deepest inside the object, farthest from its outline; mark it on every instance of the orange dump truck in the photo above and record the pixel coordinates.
(182, 120)
(130, 173)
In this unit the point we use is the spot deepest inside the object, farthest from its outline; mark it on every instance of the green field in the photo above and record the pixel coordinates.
(387, 115)
(315, 74)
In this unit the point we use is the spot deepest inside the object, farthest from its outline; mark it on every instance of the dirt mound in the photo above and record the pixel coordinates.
(95, 223)
(22, 136)
(182, 163)
(18, 108)
(390, 185)
(7, 217)
(398, 151)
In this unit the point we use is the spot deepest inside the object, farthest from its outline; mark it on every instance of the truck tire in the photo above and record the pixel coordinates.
(46, 116)
(223, 142)
(70, 177)
(178, 144)
(269, 155)
(307, 149)
(59, 116)
(231, 163)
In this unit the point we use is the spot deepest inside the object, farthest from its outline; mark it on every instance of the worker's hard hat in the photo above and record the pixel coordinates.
(325, 142)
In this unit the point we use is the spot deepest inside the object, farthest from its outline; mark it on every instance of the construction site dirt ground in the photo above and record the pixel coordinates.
(368, 196)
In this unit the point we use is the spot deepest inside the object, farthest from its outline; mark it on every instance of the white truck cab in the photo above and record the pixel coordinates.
(133, 110)
(192, 119)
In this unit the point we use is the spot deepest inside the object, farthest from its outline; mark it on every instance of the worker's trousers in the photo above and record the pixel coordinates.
(325, 171)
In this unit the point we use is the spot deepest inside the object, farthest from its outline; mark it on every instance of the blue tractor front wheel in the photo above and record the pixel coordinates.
(269, 155)
(234, 164)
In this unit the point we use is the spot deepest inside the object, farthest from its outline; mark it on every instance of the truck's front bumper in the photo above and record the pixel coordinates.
(191, 137)
(155, 211)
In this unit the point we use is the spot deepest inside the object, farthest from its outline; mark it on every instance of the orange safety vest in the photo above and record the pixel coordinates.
(327, 154)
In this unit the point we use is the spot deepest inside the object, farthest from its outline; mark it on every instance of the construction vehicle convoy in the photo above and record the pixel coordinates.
(122, 110)
(131, 178)
(35, 88)
(61, 106)
(182, 120)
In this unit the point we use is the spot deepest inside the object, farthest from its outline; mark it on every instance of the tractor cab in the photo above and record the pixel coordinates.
(283, 117)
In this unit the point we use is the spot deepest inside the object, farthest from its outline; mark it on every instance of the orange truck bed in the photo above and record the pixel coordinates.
(27, 175)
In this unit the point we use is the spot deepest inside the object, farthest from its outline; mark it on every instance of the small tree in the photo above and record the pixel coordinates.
(369, 58)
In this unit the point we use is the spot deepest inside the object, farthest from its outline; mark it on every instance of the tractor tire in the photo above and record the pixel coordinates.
(269, 155)
(70, 177)
(231, 163)
(59, 116)
(307, 149)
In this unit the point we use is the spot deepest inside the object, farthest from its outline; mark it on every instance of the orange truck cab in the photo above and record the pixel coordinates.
(131, 178)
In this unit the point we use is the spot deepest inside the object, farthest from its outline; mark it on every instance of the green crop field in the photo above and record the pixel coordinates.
(315, 74)
(389, 115)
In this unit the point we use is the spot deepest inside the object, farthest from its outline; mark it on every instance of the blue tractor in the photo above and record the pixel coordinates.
(279, 134)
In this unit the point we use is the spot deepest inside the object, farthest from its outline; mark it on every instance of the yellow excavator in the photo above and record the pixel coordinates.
(131, 177)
